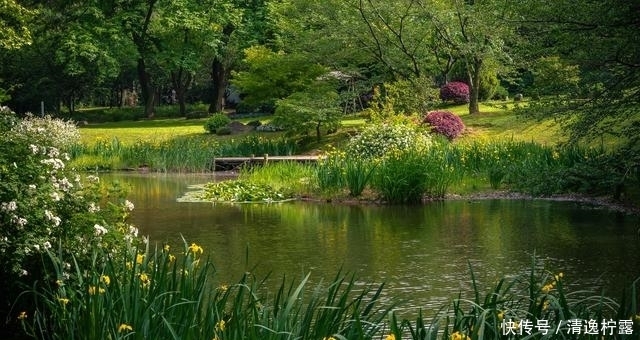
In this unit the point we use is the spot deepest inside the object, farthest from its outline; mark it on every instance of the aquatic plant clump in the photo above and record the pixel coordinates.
(240, 191)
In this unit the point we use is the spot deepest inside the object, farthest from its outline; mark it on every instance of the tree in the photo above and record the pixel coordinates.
(274, 75)
(388, 40)
(600, 37)
(311, 110)
(135, 18)
(552, 76)
(189, 33)
(244, 24)
(473, 32)
(14, 30)
(71, 56)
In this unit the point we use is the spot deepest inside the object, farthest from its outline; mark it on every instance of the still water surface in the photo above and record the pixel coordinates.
(422, 253)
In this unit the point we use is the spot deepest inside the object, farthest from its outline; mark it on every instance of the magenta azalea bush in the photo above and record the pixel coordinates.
(445, 123)
(455, 91)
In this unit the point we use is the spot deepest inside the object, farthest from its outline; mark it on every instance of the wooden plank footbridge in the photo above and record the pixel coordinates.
(235, 163)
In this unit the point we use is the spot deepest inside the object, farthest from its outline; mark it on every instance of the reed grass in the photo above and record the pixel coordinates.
(179, 154)
(154, 294)
(514, 308)
(287, 176)
(357, 174)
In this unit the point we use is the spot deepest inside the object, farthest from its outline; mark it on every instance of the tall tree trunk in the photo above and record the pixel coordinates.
(148, 91)
(474, 85)
(181, 81)
(220, 72)
(219, 81)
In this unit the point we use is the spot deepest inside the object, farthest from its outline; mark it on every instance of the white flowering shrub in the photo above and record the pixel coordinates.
(376, 140)
(48, 131)
(45, 207)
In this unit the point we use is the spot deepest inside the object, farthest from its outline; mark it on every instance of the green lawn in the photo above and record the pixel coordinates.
(129, 132)
(495, 122)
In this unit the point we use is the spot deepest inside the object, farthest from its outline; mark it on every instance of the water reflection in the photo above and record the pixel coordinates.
(421, 252)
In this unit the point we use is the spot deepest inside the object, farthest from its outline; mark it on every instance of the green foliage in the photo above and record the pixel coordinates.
(118, 299)
(216, 121)
(553, 76)
(181, 154)
(400, 177)
(329, 172)
(500, 93)
(14, 31)
(488, 84)
(411, 96)
(176, 154)
(274, 75)
(290, 177)
(357, 174)
(306, 112)
(241, 191)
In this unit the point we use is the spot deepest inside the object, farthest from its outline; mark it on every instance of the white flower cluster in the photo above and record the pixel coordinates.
(49, 131)
(128, 205)
(51, 217)
(7, 207)
(99, 230)
(376, 140)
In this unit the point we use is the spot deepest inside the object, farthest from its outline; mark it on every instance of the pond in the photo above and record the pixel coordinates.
(422, 253)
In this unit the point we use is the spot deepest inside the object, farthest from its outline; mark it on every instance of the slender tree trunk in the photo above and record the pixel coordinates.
(220, 72)
(318, 133)
(219, 81)
(181, 81)
(148, 91)
(474, 86)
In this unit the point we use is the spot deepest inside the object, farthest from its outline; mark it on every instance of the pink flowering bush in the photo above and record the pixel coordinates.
(455, 91)
(445, 123)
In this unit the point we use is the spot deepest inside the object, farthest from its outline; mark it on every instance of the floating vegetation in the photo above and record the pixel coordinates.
(236, 191)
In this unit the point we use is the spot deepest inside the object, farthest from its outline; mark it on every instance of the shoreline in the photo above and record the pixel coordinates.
(595, 202)
(601, 202)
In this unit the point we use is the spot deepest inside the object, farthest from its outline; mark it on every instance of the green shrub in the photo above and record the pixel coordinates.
(500, 93)
(216, 121)
(376, 139)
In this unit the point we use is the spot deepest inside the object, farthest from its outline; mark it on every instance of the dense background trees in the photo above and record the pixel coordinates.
(572, 59)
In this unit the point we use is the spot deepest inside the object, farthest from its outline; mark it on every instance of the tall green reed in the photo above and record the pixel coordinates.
(357, 174)
(181, 154)
(288, 175)
(155, 293)
(400, 177)
(531, 305)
